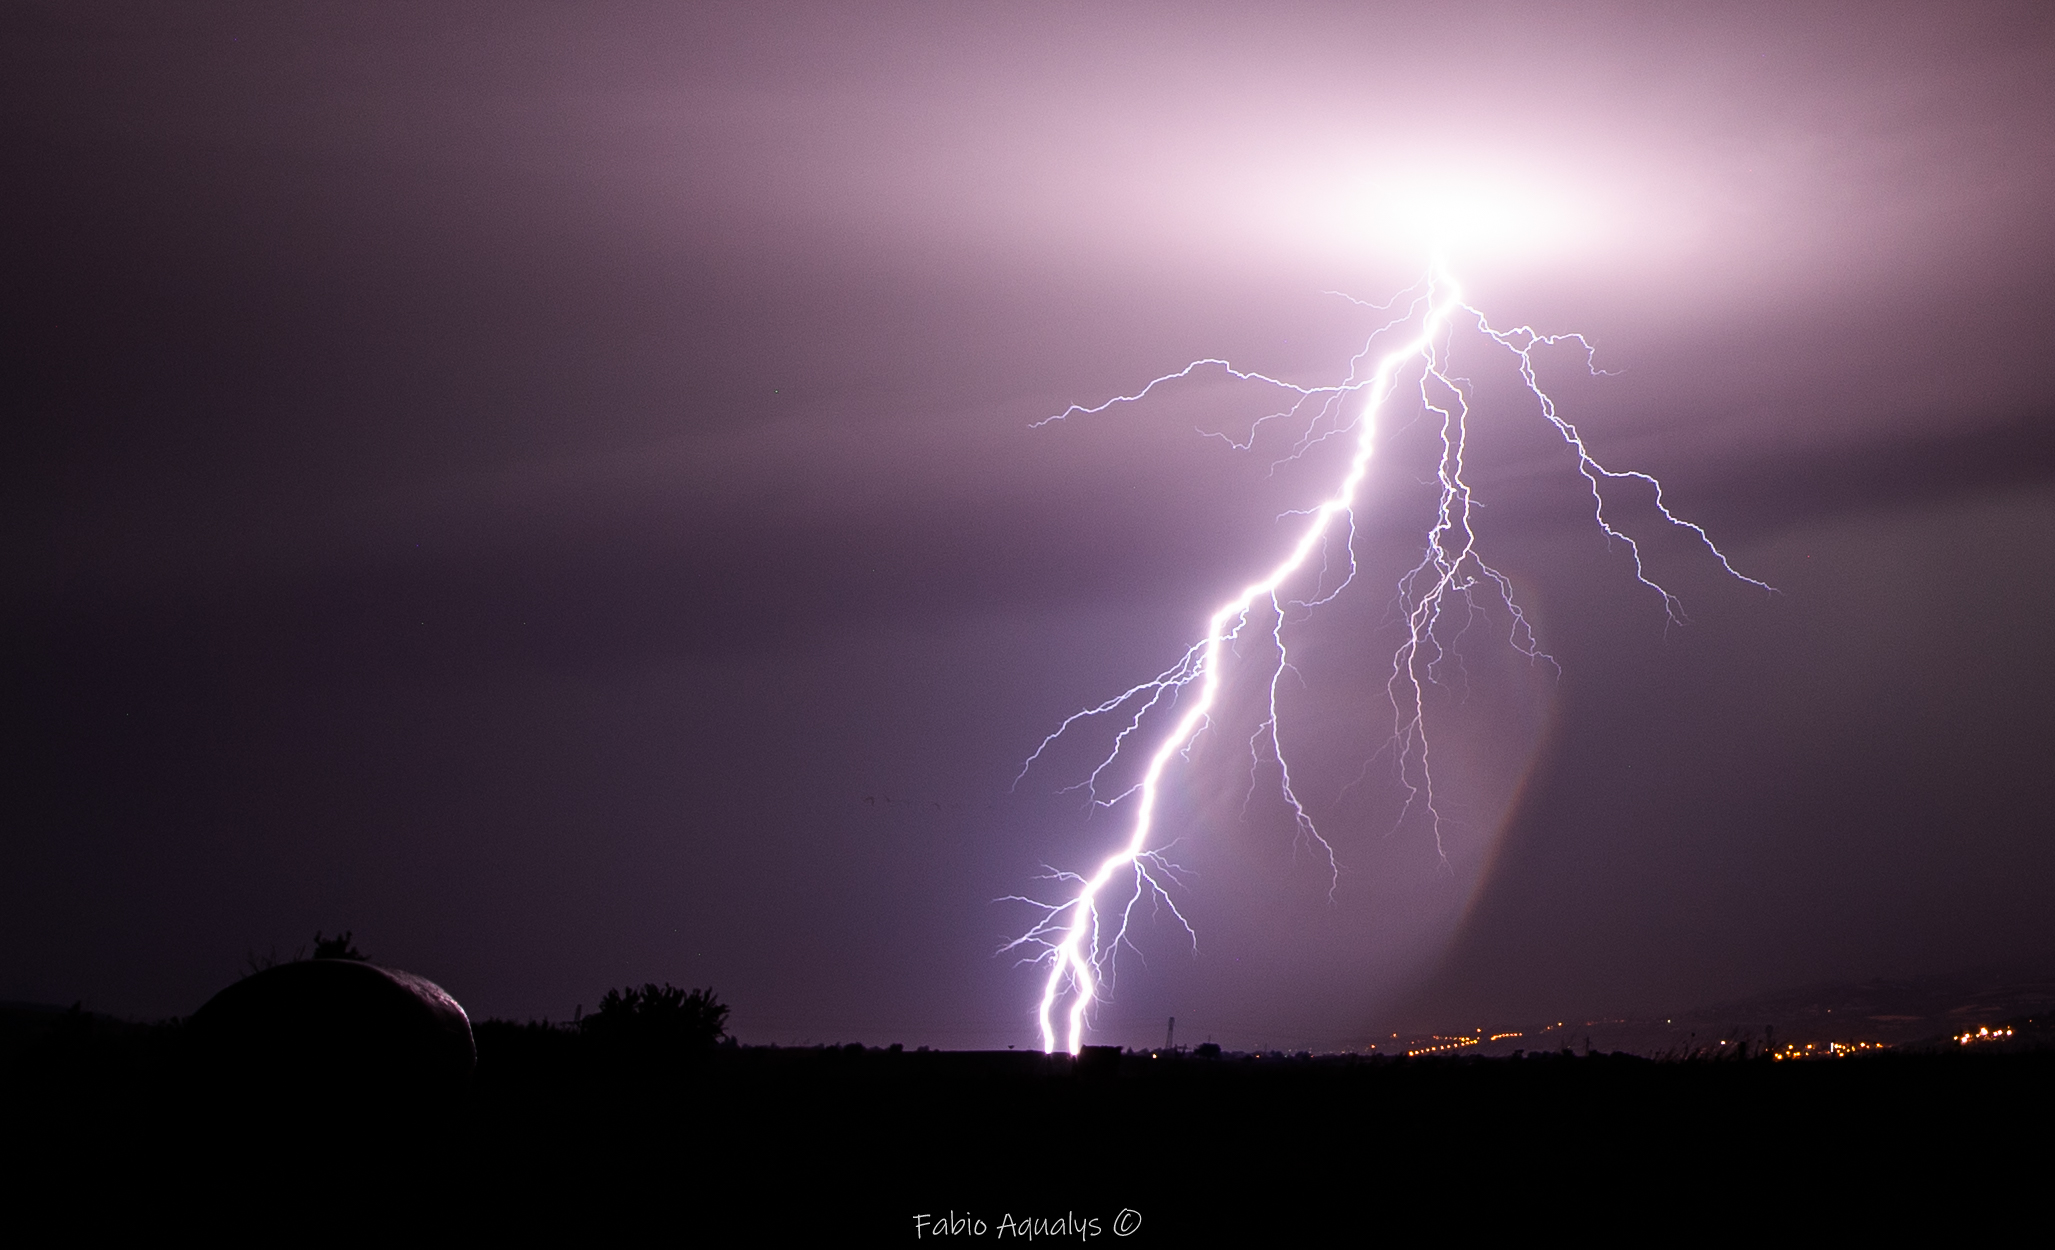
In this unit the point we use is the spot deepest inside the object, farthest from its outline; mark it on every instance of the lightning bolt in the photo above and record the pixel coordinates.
(1077, 936)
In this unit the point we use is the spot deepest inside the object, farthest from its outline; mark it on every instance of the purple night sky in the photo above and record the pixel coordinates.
(551, 489)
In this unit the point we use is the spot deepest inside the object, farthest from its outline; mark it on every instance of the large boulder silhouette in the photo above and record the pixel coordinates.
(336, 1030)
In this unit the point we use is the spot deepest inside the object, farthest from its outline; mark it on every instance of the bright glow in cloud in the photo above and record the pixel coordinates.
(1465, 216)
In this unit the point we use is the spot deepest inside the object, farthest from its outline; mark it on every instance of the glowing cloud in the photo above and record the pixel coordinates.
(1456, 214)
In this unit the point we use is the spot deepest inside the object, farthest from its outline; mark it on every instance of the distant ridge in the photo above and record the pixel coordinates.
(1893, 1011)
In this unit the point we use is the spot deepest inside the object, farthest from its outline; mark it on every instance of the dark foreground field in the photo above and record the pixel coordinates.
(111, 1127)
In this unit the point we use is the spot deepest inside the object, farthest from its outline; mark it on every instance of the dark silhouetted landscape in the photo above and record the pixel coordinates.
(608, 1122)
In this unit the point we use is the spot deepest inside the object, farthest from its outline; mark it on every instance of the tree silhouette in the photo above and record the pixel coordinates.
(657, 1019)
(338, 947)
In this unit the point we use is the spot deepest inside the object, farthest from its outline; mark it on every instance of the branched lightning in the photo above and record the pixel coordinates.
(1078, 936)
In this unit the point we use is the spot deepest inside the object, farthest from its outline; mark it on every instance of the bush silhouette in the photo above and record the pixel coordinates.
(658, 1020)
(338, 947)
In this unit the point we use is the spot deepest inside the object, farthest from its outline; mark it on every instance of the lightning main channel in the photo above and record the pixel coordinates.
(1078, 936)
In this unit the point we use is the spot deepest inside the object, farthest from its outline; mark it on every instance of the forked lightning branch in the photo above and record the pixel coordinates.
(1077, 934)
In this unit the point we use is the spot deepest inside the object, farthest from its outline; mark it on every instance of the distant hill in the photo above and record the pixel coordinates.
(1891, 1011)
